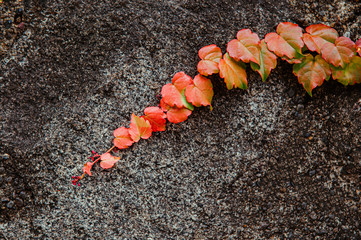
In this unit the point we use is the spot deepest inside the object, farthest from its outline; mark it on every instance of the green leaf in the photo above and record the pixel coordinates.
(267, 61)
(350, 74)
(317, 35)
(234, 73)
(311, 72)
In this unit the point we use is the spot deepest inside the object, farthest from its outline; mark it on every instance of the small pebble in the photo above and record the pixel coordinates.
(4, 156)
(312, 172)
(10, 204)
(8, 24)
(347, 34)
(22, 194)
(313, 216)
(291, 93)
(19, 202)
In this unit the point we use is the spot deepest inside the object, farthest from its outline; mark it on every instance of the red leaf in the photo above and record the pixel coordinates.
(210, 56)
(234, 73)
(287, 41)
(139, 128)
(174, 114)
(173, 93)
(200, 92)
(358, 47)
(87, 167)
(317, 35)
(122, 138)
(350, 74)
(245, 47)
(340, 53)
(108, 160)
(267, 61)
(156, 118)
(311, 72)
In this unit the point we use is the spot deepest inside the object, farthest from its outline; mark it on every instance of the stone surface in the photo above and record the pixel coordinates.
(266, 162)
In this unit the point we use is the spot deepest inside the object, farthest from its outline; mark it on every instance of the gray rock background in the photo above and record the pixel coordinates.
(269, 162)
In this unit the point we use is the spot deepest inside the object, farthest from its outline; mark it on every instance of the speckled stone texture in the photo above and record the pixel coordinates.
(269, 162)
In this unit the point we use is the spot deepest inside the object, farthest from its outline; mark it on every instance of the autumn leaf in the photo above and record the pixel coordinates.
(174, 114)
(87, 167)
(245, 48)
(317, 35)
(173, 93)
(311, 72)
(358, 47)
(200, 92)
(293, 60)
(139, 128)
(122, 138)
(340, 53)
(267, 61)
(287, 41)
(108, 161)
(234, 73)
(156, 118)
(210, 56)
(350, 74)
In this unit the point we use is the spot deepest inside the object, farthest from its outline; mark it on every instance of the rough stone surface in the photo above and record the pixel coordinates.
(269, 162)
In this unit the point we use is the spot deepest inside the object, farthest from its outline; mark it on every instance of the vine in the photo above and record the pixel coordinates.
(316, 55)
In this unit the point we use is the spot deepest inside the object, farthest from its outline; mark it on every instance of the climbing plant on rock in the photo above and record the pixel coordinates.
(317, 54)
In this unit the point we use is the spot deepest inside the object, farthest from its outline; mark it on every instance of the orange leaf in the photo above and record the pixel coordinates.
(173, 93)
(139, 128)
(234, 73)
(292, 60)
(287, 41)
(210, 56)
(174, 114)
(156, 118)
(87, 167)
(122, 138)
(200, 92)
(108, 160)
(317, 35)
(340, 53)
(245, 47)
(358, 47)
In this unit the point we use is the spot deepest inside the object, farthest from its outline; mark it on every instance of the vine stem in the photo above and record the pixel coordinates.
(96, 160)
(110, 149)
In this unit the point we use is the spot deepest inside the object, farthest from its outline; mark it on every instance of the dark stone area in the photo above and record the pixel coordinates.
(269, 162)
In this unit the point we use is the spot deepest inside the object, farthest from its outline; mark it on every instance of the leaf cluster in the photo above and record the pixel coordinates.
(316, 54)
